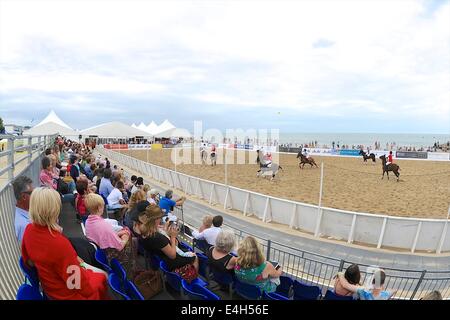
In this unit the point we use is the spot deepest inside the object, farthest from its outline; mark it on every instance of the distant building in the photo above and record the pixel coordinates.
(13, 129)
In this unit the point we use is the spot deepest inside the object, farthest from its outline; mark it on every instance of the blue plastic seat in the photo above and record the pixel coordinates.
(101, 258)
(197, 292)
(27, 292)
(285, 286)
(273, 296)
(247, 291)
(174, 279)
(330, 295)
(203, 267)
(132, 291)
(118, 269)
(305, 292)
(225, 279)
(116, 286)
(185, 246)
(30, 273)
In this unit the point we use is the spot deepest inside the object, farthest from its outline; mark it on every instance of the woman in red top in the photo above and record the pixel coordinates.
(63, 275)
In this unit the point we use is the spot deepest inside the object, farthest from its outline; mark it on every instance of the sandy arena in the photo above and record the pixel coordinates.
(349, 183)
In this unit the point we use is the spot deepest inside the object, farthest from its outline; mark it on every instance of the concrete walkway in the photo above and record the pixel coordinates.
(195, 209)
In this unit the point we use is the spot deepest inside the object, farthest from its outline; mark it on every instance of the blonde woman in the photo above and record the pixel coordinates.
(135, 198)
(62, 273)
(251, 266)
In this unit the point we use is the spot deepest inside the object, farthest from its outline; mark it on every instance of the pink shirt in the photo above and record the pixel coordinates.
(46, 179)
(102, 233)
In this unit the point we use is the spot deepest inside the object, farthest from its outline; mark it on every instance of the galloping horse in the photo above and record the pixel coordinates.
(366, 157)
(390, 167)
(213, 157)
(266, 169)
(304, 160)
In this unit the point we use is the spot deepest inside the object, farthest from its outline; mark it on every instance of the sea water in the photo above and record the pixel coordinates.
(366, 139)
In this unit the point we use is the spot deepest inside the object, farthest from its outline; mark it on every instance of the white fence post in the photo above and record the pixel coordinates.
(30, 149)
(266, 208)
(383, 229)
(444, 233)
(416, 237)
(226, 199)
(11, 159)
(247, 198)
(352, 230)
(319, 216)
(211, 194)
(294, 215)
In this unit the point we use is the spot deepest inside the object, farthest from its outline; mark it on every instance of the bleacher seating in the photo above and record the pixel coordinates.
(247, 291)
(196, 292)
(101, 258)
(305, 292)
(330, 295)
(27, 292)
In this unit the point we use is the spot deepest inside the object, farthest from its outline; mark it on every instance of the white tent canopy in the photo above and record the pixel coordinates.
(164, 129)
(114, 129)
(143, 127)
(152, 127)
(51, 128)
(53, 118)
(52, 124)
(134, 126)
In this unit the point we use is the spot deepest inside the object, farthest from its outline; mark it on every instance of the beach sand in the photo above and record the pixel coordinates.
(349, 183)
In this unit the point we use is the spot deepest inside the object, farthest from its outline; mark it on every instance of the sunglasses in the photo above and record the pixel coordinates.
(27, 192)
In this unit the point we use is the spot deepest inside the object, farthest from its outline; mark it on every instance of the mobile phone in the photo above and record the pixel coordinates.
(277, 267)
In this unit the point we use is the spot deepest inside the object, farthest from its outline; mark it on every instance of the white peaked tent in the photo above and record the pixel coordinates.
(52, 124)
(164, 130)
(143, 127)
(114, 130)
(134, 126)
(152, 127)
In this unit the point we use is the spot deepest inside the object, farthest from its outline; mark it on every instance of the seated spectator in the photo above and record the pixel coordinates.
(207, 223)
(46, 177)
(80, 206)
(138, 185)
(433, 295)
(152, 197)
(115, 198)
(219, 256)
(166, 203)
(105, 187)
(146, 188)
(130, 184)
(87, 169)
(210, 234)
(74, 168)
(23, 187)
(375, 292)
(353, 276)
(155, 242)
(251, 266)
(100, 231)
(46, 248)
(134, 200)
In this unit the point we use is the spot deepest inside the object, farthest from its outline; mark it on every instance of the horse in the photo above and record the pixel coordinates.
(390, 167)
(366, 157)
(264, 169)
(304, 160)
(203, 156)
(213, 157)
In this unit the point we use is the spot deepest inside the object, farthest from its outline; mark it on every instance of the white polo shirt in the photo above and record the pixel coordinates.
(114, 197)
(210, 235)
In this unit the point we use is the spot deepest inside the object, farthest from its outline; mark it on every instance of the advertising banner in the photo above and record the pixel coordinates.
(240, 146)
(248, 147)
(349, 152)
(232, 146)
(412, 154)
(438, 156)
(157, 146)
(116, 146)
(139, 146)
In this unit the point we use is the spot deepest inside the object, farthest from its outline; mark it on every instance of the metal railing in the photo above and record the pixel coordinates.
(10, 275)
(316, 269)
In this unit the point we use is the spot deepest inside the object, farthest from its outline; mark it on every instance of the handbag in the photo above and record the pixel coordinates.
(148, 283)
(187, 272)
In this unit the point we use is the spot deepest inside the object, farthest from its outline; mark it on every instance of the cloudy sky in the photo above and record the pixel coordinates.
(302, 66)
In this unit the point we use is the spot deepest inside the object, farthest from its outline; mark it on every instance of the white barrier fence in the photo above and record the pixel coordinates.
(370, 229)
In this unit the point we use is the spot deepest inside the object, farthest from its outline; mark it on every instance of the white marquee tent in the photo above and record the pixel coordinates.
(52, 124)
(113, 130)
